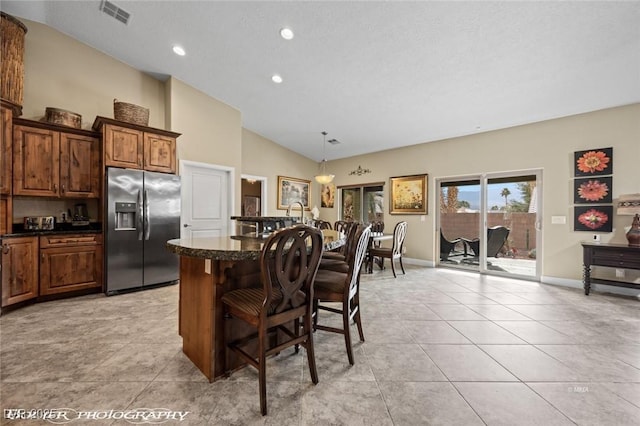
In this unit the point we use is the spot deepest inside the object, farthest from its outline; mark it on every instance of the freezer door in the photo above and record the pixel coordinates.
(124, 236)
(161, 223)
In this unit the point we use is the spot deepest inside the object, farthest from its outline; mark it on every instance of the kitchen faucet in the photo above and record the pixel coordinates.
(301, 210)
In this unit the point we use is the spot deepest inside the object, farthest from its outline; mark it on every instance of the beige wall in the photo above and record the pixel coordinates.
(63, 73)
(262, 157)
(546, 145)
(211, 130)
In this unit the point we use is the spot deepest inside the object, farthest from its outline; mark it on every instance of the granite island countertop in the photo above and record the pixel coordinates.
(231, 248)
(264, 218)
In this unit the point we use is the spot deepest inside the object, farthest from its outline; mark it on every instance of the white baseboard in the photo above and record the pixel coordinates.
(600, 288)
(418, 262)
(563, 282)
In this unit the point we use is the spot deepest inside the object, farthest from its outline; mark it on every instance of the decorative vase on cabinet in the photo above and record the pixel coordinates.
(633, 236)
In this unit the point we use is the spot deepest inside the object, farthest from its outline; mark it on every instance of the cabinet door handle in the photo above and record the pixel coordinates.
(42, 256)
(6, 248)
(62, 188)
(55, 187)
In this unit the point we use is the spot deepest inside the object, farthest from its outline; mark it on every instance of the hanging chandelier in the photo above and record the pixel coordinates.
(324, 177)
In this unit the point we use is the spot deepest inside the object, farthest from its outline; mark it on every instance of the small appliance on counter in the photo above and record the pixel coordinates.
(80, 215)
(39, 223)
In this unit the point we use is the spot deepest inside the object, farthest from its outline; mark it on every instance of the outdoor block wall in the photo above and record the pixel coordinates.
(522, 235)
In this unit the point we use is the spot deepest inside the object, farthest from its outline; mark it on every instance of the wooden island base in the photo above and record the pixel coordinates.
(209, 267)
(203, 282)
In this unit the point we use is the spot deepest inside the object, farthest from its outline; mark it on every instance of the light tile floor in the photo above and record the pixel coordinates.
(443, 347)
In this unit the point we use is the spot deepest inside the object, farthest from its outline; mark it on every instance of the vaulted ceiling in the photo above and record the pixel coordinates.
(374, 75)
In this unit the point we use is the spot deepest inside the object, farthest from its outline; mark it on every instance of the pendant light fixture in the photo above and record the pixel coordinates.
(324, 177)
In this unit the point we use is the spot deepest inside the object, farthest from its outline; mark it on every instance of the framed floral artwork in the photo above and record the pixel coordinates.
(408, 195)
(597, 190)
(593, 162)
(292, 190)
(593, 218)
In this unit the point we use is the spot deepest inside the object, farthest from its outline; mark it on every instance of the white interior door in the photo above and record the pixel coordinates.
(207, 197)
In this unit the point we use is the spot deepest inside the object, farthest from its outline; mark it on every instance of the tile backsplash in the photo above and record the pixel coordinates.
(35, 206)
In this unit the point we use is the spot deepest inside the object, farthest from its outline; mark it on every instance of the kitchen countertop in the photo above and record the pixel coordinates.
(60, 229)
(262, 218)
(228, 248)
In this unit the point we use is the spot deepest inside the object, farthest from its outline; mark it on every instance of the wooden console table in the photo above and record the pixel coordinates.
(612, 255)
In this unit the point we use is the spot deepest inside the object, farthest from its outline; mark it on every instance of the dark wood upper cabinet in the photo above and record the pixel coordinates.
(6, 141)
(79, 166)
(137, 147)
(52, 161)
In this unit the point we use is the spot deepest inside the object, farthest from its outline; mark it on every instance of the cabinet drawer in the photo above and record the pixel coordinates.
(70, 240)
(616, 259)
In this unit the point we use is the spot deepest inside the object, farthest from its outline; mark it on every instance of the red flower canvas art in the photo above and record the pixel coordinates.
(593, 218)
(594, 162)
(593, 191)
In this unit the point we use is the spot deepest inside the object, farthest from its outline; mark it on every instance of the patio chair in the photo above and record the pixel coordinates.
(496, 238)
(447, 247)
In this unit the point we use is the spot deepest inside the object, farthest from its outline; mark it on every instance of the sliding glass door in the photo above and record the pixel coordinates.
(460, 207)
(491, 223)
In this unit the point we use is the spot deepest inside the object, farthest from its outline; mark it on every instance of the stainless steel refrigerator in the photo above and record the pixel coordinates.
(142, 213)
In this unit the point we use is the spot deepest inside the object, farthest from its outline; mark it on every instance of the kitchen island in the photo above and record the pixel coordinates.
(209, 267)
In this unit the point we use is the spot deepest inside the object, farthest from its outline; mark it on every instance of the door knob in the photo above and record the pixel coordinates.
(186, 225)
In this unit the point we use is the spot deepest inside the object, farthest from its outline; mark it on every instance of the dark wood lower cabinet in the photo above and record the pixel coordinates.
(48, 266)
(70, 263)
(19, 270)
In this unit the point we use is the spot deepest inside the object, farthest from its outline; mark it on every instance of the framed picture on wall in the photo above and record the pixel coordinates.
(593, 218)
(291, 190)
(595, 190)
(408, 195)
(327, 195)
(593, 162)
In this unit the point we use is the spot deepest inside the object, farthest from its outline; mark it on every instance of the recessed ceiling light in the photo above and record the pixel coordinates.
(286, 33)
(178, 50)
(276, 78)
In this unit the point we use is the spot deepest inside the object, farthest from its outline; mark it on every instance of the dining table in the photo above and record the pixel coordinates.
(210, 267)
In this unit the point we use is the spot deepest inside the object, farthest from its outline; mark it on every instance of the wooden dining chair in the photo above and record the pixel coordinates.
(377, 227)
(323, 224)
(288, 265)
(395, 251)
(339, 261)
(344, 287)
(342, 226)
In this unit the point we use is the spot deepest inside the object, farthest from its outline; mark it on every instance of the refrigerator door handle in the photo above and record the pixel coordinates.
(140, 224)
(147, 224)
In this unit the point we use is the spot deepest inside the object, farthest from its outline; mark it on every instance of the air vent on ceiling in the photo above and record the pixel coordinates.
(115, 11)
(333, 141)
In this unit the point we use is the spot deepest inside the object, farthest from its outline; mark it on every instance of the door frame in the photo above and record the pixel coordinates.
(230, 171)
(438, 221)
(263, 191)
(483, 218)
(484, 182)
